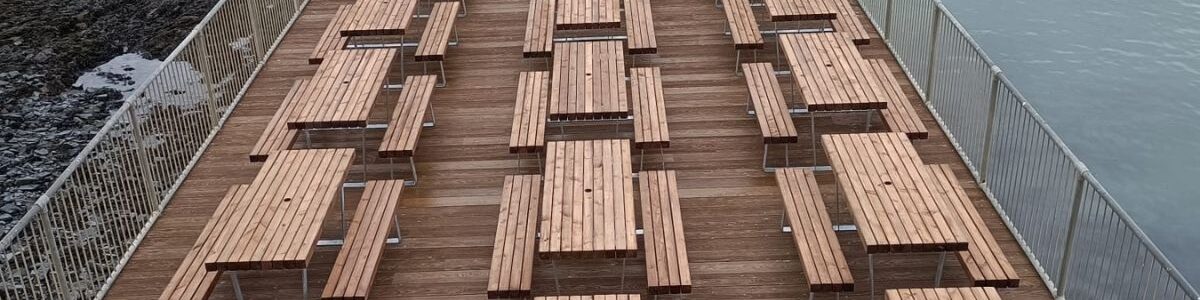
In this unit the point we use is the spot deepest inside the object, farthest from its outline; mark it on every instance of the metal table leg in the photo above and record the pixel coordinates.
(237, 287)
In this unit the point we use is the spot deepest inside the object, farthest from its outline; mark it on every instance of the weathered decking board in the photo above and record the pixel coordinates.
(730, 208)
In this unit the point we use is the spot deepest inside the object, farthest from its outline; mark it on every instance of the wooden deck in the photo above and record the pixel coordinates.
(731, 209)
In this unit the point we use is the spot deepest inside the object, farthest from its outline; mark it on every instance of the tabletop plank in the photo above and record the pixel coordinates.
(954, 293)
(342, 91)
(587, 200)
(276, 222)
(832, 74)
(891, 196)
(588, 81)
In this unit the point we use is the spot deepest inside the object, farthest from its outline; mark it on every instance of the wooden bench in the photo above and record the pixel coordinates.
(512, 257)
(192, 281)
(824, 264)
(379, 17)
(362, 249)
(436, 37)
(592, 297)
(332, 39)
(956, 293)
(667, 270)
(539, 29)
(901, 115)
(984, 260)
(771, 109)
(529, 115)
(639, 23)
(742, 27)
(408, 118)
(649, 109)
(849, 23)
(277, 135)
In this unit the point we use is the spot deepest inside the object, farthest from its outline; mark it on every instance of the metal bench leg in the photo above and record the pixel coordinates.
(868, 120)
(304, 283)
(937, 281)
(413, 166)
(391, 168)
(623, 272)
(237, 287)
(396, 223)
(442, 66)
(342, 200)
(364, 154)
(463, 3)
(737, 62)
(810, 295)
(401, 50)
(812, 132)
(539, 161)
(642, 160)
(871, 270)
(766, 149)
(783, 224)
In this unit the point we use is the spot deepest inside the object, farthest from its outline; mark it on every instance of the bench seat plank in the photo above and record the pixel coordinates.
(639, 24)
(901, 115)
(771, 109)
(438, 29)
(277, 136)
(824, 262)
(742, 25)
(984, 260)
(539, 29)
(408, 118)
(331, 39)
(192, 281)
(850, 23)
(354, 269)
(529, 114)
(380, 17)
(649, 109)
(667, 270)
(512, 256)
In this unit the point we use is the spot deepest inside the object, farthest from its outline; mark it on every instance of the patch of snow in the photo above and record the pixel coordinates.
(122, 73)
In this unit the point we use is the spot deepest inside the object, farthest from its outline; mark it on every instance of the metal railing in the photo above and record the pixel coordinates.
(1082, 243)
(79, 234)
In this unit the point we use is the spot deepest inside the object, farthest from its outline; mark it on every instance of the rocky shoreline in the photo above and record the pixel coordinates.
(45, 45)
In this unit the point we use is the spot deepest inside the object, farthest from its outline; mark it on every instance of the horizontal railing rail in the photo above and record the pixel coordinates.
(79, 234)
(1081, 242)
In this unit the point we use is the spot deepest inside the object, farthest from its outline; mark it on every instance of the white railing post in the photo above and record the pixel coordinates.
(933, 45)
(887, 21)
(991, 126)
(256, 28)
(1072, 226)
(56, 260)
(143, 161)
(207, 76)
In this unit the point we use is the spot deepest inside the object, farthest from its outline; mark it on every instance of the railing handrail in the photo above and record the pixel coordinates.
(108, 125)
(1057, 141)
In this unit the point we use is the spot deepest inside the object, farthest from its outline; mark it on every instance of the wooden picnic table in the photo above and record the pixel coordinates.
(342, 91)
(587, 14)
(891, 196)
(276, 222)
(831, 73)
(587, 200)
(800, 10)
(588, 81)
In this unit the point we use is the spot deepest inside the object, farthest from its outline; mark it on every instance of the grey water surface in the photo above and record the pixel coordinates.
(1119, 81)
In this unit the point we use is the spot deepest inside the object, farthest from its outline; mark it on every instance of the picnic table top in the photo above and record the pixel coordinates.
(342, 91)
(587, 200)
(832, 74)
(587, 14)
(954, 293)
(379, 17)
(588, 81)
(276, 221)
(799, 10)
(892, 198)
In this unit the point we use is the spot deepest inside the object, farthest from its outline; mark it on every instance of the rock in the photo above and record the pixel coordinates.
(9, 208)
